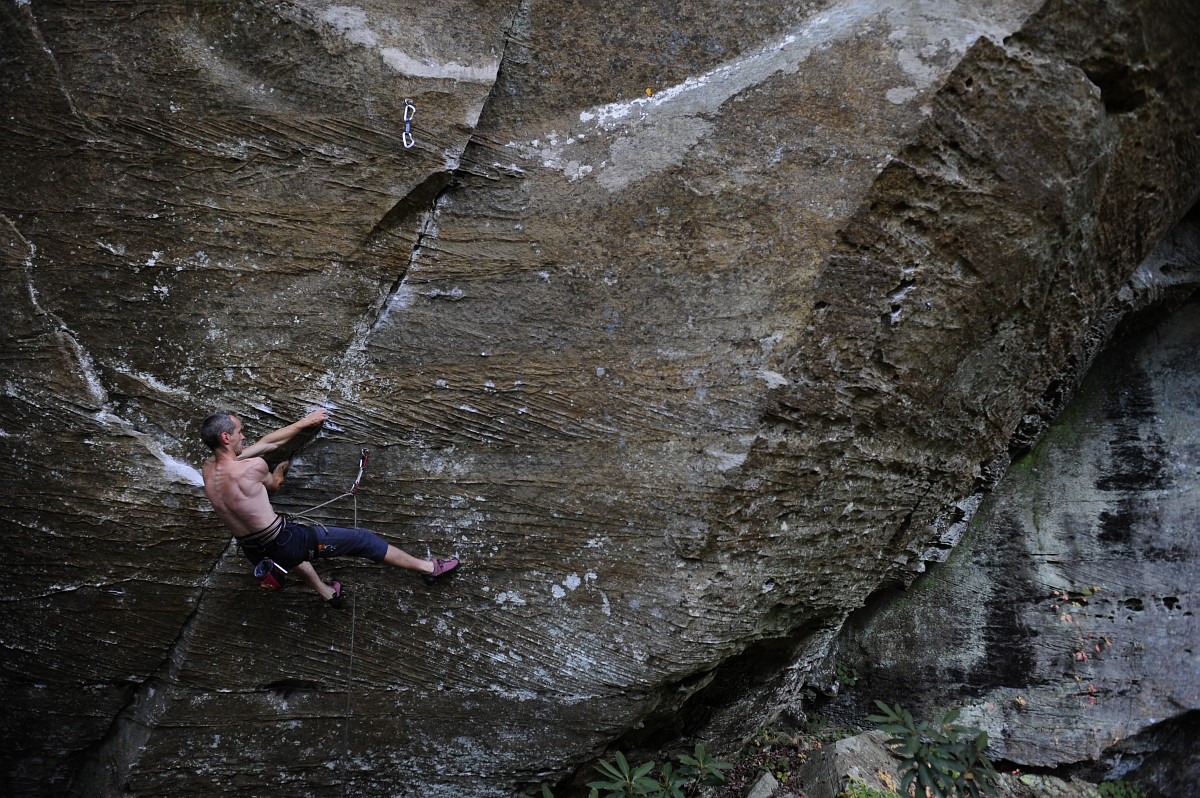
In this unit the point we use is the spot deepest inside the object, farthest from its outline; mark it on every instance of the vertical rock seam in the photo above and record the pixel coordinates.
(107, 765)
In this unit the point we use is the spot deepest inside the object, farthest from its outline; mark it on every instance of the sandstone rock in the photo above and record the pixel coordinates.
(1065, 621)
(865, 759)
(767, 786)
(1036, 785)
(685, 335)
(833, 769)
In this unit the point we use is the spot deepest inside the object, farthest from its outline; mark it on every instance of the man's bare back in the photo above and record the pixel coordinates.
(237, 481)
(238, 493)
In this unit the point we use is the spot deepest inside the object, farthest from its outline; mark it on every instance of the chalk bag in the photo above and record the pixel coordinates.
(270, 574)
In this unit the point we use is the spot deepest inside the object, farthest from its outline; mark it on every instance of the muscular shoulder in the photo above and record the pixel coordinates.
(244, 473)
(254, 465)
(252, 470)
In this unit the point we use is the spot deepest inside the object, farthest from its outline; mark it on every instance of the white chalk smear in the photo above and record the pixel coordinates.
(352, 23)
(773, 379)
(649, 134)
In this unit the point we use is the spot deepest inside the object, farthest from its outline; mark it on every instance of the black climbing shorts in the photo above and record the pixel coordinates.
(297, 543)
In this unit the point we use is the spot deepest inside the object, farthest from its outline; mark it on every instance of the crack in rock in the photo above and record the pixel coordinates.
(429, 193)
(109, 761)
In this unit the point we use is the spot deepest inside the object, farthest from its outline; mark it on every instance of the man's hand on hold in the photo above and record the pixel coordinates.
(280, 437)
(275, 481)
(315, 419)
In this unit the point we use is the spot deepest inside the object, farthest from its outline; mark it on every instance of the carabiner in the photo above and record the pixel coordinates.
(410, 110)
(362, 466)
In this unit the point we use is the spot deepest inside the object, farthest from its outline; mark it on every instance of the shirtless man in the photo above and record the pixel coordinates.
(238, 483)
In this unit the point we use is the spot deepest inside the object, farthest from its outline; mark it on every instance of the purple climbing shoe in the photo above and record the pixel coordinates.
(440, 567)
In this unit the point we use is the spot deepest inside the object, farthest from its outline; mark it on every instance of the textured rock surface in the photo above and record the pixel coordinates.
(835, 768)
(865, 759)
(1065, 622)
(686, 335)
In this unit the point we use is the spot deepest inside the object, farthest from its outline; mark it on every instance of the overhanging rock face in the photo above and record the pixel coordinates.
(685, 336)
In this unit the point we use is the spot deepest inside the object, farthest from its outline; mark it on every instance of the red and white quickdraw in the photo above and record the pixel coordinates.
(362, 466)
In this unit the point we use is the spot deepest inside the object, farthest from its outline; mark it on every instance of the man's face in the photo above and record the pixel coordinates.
(236, 438)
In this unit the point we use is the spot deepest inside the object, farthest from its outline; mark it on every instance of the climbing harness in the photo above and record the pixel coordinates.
(270, 574)
(409, 111)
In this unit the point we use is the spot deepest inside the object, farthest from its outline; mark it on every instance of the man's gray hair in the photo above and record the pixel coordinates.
(214, 426)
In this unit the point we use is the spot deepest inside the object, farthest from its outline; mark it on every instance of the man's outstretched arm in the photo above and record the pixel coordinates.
(273, 440)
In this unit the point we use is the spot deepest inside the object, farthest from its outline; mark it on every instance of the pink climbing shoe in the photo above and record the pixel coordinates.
(336, 600)
(440, 567)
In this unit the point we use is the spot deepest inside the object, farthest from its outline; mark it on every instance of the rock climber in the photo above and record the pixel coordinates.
(238, 482)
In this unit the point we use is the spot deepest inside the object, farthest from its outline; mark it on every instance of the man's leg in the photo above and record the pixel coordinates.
(401, 559)
(429, 570)
(309, 574)
(335, 541)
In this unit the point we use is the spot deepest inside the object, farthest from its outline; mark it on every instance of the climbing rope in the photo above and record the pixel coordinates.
(351, 492)
(349, 677)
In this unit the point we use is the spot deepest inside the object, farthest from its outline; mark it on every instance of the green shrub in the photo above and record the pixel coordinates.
(702, 769)
(1119, 789)
(942, 759)
(623, 781)
(680, 779)
(847, 676)
(860, 789)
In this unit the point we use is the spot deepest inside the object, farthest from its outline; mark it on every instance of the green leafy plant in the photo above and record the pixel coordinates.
(860, 789)
(623, 781)
(1119, 789)
(941, 759)
(702, 769)
(680, 779)
(671, 783)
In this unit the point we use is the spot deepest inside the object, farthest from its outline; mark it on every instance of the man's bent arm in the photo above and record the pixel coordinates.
(273, 440)
(274, 478)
